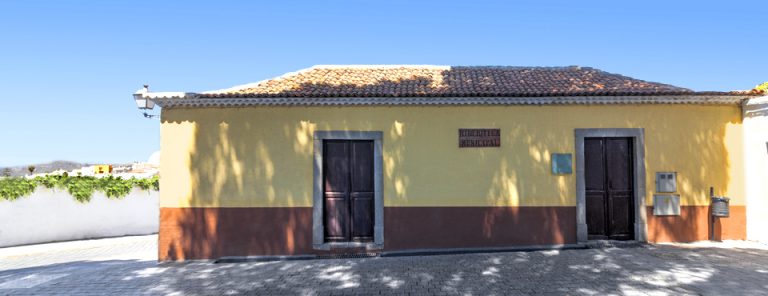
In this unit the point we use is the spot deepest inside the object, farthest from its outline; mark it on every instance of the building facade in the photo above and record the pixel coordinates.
(350, 159)
(755, 114)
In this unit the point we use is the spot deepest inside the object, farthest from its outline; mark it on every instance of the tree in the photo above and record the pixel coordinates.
(31, 169)
(6, 172)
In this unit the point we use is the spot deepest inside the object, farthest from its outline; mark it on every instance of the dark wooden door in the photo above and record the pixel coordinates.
(610, 189)
(348, 190)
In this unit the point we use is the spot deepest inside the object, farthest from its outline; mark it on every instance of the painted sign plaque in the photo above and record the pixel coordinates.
(479, 137)
(562, 163)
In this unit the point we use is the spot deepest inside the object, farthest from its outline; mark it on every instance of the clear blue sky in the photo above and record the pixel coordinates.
(68, 68)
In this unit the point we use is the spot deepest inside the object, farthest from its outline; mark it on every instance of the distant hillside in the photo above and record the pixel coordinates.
(44, 168)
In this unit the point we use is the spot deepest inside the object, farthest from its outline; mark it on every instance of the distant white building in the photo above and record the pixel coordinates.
(141, 169)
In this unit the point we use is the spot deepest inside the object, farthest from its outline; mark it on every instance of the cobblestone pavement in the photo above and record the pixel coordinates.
(125, 266)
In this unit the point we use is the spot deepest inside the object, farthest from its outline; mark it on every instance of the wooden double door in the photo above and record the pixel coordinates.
(348, 190)
(609, 180)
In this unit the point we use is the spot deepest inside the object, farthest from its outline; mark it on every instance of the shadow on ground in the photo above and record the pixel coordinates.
(650, 270)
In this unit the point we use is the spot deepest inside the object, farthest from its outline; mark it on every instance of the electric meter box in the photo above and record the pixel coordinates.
(666, 182)
(666, 205)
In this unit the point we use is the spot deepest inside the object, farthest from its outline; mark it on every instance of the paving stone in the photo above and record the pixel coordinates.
(126, 266)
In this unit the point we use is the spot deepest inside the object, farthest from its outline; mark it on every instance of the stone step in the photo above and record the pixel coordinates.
(606, 244)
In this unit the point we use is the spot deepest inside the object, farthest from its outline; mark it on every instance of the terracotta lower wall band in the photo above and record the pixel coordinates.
(477, 227)
(208, 233)
(693, 225)
(205, 233)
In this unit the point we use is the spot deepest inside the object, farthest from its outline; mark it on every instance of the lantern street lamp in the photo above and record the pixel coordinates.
(143, 102)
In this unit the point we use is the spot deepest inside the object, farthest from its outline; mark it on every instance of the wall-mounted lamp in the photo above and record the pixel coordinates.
(141, 101)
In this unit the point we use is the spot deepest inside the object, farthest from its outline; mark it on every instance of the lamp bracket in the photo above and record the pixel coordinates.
(150, 116)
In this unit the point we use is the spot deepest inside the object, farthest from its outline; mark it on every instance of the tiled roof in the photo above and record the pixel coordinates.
(443, 85)
(444, 81)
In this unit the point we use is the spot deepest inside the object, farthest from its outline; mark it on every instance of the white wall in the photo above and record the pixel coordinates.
(756, 154)
(53, 215)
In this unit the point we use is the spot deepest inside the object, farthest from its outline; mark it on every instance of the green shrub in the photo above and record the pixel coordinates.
(147, 184)
(48, 181)
(80, 187)
(13, 188)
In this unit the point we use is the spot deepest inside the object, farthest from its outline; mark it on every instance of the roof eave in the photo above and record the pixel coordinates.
(194, 100)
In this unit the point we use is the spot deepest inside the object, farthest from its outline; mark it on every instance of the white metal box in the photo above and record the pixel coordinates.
(666, 182)
(666, 205)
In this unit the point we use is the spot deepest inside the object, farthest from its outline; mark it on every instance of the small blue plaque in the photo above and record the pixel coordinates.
(562, 163)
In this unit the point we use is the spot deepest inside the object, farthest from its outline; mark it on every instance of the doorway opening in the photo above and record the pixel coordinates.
(348, 194)
(610, 184)
(348, 190)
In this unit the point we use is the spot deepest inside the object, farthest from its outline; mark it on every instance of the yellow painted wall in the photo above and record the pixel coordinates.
(262, 156)
(102, 169)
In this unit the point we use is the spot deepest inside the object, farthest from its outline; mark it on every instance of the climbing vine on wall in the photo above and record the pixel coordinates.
(80, 187)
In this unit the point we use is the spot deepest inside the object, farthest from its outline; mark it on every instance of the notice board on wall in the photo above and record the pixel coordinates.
(479, 137)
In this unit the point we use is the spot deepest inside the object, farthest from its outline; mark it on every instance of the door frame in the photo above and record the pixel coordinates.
(638, 137)
(318, 229)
